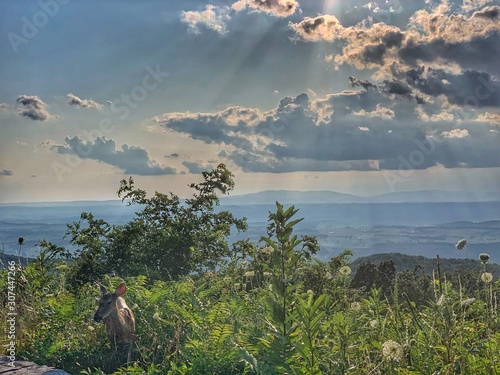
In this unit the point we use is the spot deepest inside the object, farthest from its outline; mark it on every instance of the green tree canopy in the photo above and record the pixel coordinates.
(168, 237)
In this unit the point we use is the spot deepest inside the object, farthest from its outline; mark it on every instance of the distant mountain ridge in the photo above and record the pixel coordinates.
(327, 196)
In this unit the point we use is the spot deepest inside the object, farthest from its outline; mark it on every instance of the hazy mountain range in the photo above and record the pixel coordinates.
(325, 196)
(416, 223)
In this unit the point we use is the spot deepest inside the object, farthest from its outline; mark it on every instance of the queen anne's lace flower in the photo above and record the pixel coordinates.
(356, 306)
(345, 270)
(392, 351)
(267, 250)
(487, 277)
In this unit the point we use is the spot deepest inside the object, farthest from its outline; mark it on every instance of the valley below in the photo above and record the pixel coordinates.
(416, 228)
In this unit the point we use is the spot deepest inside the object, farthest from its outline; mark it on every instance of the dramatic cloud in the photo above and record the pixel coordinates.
(6, 172)
(278, 8)
(212, 18)
(354, 130)
(468, 88)
(434, 36)
(455, 28)
(75, 101)
(33, 107)
(131, 159)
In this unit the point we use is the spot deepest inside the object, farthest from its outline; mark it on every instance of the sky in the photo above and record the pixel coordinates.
(360, 97)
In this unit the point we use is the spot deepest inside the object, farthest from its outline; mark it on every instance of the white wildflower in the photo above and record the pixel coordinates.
(345, 270)
(267, 274)
(374, 323)
(267, 250)
(487, 277)
(392, 351)
(249, 274)
(156, 316)
(356, 306)
(328, 275)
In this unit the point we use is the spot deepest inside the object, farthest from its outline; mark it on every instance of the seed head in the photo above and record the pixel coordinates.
(461, 244)
(484, 258)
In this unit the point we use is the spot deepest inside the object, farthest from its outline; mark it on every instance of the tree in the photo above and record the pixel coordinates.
(167, 238)
(382, 276)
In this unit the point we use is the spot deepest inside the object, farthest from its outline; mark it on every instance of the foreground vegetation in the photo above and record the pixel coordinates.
(204, 307)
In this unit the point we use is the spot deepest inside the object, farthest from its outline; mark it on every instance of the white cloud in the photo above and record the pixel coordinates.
(75, 101)
(456, 133)
(212, 18)
(278, 8)
(379, 111)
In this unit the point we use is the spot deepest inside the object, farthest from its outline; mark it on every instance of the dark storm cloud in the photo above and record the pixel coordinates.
(131, 159)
